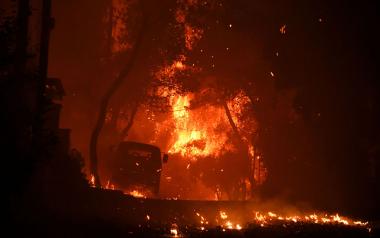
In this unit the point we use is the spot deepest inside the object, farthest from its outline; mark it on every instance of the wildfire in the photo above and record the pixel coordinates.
(203, 131)
(270, 218)
(192, 34)
(195, 130)
(265, 219)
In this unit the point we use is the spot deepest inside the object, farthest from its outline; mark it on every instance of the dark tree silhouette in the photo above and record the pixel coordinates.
(131, 119)
(106, 99)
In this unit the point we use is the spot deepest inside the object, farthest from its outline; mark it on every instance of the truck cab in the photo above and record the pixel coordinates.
(137, 167)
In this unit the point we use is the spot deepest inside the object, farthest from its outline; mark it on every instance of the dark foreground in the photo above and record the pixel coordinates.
(103, 213)
(103, 229)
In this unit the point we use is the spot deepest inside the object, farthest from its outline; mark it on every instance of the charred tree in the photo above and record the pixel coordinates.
(232, 123)
(254, 140)
(118, 81)
(241, 187)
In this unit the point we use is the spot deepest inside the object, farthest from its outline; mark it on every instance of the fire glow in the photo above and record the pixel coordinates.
(196, 133)
(195, 124)
(136, 194)
(262, 219)
(226, 222)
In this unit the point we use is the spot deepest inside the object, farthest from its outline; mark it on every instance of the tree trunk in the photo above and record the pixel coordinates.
(240, 144)
(231, 121)
(253, 167)
(253, 139)
(104, 105)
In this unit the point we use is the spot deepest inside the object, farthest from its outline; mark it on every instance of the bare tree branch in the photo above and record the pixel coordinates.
(125, 131)
(231, 121)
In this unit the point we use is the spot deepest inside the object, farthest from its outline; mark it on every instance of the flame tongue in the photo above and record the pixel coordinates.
(196, 131)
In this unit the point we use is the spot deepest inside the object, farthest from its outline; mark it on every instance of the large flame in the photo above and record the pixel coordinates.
(197, 133)
(191, 131)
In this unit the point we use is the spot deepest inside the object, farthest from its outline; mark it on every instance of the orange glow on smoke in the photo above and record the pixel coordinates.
(119, 29)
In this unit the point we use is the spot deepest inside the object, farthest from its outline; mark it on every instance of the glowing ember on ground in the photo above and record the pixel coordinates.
(271, 218)
(223, 215)
(92, 181)
(110, 186)
(174, 230)
(225, 221)
(267, 219)
(135, 193)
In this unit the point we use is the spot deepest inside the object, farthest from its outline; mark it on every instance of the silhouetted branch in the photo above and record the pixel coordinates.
(105, 101)
(125, 131)
(231, 121)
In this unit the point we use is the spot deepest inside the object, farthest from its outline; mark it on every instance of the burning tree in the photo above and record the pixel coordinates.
(189, 97)
(150, 27)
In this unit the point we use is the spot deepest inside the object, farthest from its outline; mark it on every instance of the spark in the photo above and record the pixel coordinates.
(283, 29)
(223, 215)
(229, 225)
(179, 65)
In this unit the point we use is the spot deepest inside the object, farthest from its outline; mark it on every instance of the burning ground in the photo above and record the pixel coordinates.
(122, 215)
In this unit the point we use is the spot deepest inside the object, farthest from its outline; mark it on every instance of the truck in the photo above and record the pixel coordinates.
(137, 167)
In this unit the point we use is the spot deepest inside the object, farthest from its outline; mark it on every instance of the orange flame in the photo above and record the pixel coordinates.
(195, 130)
(92, 181)
(136, 194)
(269, 218)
